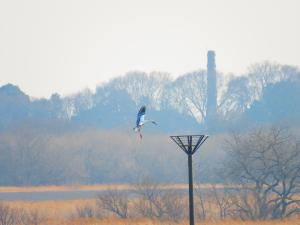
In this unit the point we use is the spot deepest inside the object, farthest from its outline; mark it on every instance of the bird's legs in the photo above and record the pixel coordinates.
(138, 129)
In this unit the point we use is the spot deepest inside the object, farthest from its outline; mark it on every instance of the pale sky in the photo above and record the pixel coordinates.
(64, 46)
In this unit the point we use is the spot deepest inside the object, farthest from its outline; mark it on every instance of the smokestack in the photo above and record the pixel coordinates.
(211, 109)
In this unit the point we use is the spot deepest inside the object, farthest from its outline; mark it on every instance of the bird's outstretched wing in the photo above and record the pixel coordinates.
(141, 116)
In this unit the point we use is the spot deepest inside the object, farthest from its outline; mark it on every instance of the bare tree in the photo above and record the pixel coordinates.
(262, 74)
(85, 211)
(236, 99)
(223, 200)
(8, 215)
(174, 205)
(30, 217)
(200, 197)
(266, 162)
(157, 203)
(114, 201)
(149, 201)
(190, 91)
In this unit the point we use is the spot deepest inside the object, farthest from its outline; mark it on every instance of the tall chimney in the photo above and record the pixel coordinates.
(211, 109)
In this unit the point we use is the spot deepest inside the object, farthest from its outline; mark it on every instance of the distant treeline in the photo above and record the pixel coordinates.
(88, 137)
(266, 94)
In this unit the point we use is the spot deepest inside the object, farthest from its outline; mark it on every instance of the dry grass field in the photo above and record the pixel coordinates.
(52, 209)
(66, 212)
(149, 222)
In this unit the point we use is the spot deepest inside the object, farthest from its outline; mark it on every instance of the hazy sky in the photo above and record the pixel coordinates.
(64, 46)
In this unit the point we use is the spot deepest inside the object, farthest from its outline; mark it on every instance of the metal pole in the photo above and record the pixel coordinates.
(191, 199)
(189, 144)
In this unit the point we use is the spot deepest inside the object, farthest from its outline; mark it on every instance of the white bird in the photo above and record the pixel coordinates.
(140, 121)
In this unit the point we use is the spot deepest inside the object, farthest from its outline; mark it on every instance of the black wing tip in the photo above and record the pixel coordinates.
(143, 109)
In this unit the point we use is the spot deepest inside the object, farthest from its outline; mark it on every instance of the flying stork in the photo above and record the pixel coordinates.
(140, 121)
